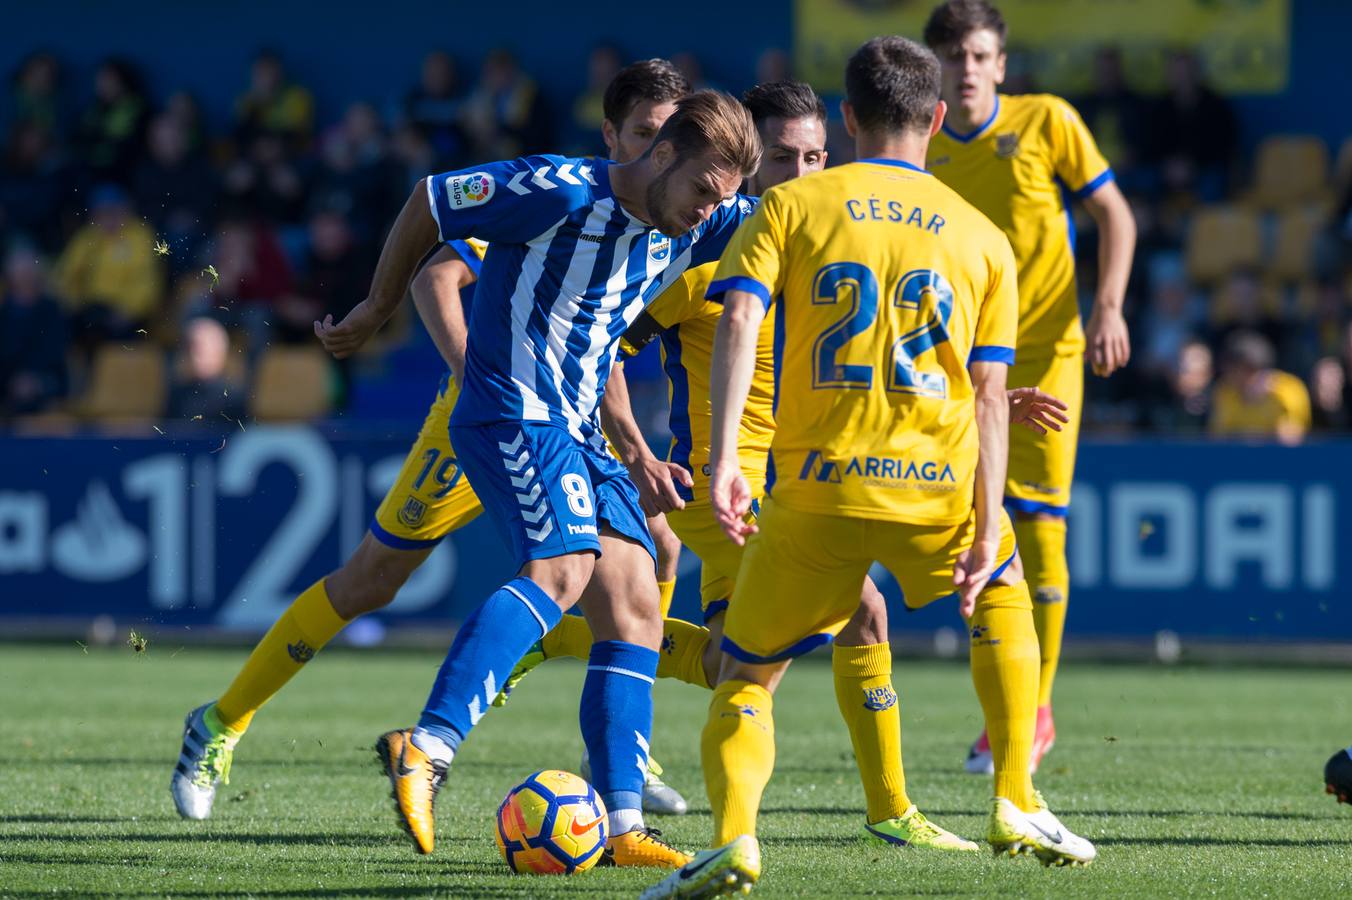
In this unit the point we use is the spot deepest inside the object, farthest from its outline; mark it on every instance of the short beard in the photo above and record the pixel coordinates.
(655, 199)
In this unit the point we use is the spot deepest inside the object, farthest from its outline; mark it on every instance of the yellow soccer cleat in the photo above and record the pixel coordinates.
(642, 848)
(1013, 831)
(912, 829)
(730, 869)
(534, 656)
(414, 782)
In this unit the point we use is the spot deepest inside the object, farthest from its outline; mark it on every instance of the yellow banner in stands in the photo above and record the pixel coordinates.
(1244, 43)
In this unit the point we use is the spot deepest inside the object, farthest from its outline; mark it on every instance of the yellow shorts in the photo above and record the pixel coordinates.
(719, 557)
(800, 579)
(431, 497)
(1042, 466)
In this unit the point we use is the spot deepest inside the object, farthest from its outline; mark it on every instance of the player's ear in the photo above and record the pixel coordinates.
(1000, 67)
(611, 135)
(940, 111)
(663, 154)
(847, 113)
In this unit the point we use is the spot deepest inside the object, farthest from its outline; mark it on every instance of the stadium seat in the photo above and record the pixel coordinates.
(126, 382)
(1221, 239)
(1293, 245)
(291, 384)
(1290, 170)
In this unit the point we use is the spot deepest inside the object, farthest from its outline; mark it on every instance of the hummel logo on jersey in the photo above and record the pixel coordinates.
(594, 238)
(879, 698)
(301, 652)
(473, 189)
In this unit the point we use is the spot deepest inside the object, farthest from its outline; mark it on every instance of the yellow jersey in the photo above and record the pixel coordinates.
(1021, 168)
(685, 322)
(1284, 405)
(888, 285)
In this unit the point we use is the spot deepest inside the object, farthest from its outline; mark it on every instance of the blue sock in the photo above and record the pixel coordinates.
(617, 720)
(492, 641)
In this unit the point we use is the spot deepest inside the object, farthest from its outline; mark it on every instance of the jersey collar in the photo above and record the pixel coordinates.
(973, 135)
(601, 172)
(900, 164)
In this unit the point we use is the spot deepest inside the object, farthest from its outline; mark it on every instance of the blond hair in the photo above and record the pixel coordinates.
(714, 122)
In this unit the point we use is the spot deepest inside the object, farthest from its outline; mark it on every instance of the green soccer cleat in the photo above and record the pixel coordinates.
(534, 656)
(730, 869)
(1013, 831)
(203, 763)
(912, 829)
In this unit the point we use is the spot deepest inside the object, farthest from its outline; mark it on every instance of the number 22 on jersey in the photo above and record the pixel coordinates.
(924, 299)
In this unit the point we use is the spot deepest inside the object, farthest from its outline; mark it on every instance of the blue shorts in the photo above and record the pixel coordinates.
(545, 491)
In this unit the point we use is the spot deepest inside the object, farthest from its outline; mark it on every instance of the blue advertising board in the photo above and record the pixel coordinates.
(1208, 540)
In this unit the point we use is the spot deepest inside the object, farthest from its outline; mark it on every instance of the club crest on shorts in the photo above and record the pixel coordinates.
(659, 246)
(412, 512)
(1007, 145)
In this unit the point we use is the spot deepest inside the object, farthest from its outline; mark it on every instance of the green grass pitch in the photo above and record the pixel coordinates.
(1192, 781)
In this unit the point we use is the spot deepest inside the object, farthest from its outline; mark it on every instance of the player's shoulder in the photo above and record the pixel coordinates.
(547, 178)
(1038, 109)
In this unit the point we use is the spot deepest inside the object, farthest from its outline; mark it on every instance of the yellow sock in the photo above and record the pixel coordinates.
(1042, 546)
(738, 753)
(868, 704)
(293, 640)
(682, 652)
(665, 591)
(571, 637)
(1004, 670)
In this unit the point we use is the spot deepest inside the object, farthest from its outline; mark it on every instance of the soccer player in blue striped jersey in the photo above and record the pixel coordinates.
(577, 247)
(428, 500)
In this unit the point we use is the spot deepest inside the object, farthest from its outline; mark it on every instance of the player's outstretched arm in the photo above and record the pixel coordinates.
(1109, 345)
(733, 366)
(655, 479)
(992, 421)
(1036, 410)
(413, 234)
(436, 297)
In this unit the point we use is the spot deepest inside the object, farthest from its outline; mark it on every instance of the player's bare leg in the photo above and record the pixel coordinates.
(367, 581)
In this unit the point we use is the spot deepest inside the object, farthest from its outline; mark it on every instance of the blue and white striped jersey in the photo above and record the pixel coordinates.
(567, 271)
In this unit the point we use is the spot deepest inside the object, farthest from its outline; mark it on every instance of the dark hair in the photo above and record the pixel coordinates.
(1249, 349)
(893, 85)
(950, 22)
(783, 99)
(656, 80)
(713, 121)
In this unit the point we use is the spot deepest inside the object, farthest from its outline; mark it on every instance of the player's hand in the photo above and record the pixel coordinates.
(731, 495)
(656, 483)
(1108, 340)
(348, 336)
(973, 570)
(1036, 410)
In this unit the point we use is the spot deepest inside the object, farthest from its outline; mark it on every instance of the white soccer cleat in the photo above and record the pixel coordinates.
(203, 763)
(1014, 831)
(979, 759)
(730, 869)
(659, 798)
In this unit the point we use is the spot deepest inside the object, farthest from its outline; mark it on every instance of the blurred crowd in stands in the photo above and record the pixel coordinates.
(158, 267)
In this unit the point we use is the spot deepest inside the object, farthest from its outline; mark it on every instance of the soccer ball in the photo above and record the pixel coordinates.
(553, 823)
